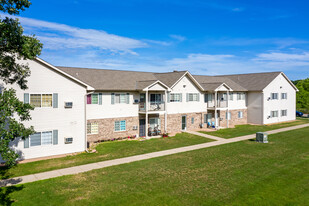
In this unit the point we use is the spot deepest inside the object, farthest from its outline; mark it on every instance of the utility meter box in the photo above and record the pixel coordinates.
(261, 137)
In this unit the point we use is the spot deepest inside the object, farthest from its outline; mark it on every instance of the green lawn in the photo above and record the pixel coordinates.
(105, 151)
(241, 173)
(241, 130)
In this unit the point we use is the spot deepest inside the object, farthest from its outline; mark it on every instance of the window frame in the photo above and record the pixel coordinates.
(240, 116)
(41, 98)
(284, 95)
(286, 113)
(173, 99)
(231, 96)
(44, 145)
(120, 126)
(89, 127)
(272, 95)
(122, 96)
(194, 97)
(274, 112)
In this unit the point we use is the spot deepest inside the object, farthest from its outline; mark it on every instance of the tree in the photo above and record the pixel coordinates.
(14, 46)
(302, 97)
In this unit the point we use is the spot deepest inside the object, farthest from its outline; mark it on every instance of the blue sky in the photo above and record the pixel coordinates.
(204, 37)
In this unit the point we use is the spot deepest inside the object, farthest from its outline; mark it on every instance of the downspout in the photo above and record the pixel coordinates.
(85, 105)
(216, 115)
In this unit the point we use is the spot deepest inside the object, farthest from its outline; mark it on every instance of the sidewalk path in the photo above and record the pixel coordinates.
(108, 163)
(205, 135)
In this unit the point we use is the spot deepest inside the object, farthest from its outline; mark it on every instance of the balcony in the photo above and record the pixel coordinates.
(152, 106)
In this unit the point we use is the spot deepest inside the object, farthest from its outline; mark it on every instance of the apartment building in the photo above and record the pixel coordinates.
(74, 106)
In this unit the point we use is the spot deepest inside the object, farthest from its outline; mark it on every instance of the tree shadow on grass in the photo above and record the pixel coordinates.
(5, 194)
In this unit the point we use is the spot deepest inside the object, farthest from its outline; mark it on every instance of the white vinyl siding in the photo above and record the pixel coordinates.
(120, 125)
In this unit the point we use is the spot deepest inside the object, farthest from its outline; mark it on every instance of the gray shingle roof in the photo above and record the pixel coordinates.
(117, 80)
(253, 81)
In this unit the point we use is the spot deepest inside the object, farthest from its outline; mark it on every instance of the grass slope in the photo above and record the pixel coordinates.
(242, 173)
(105, 151)
(241, 130)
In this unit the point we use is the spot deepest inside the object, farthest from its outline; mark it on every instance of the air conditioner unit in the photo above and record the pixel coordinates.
(68, 140)
(68, 104)
(136, 101)
(135, 127)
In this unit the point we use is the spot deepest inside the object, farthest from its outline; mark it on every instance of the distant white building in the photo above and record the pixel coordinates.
(74, 106)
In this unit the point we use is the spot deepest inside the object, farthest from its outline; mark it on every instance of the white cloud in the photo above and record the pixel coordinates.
(178, 37)
(283, 57)
(55, 36)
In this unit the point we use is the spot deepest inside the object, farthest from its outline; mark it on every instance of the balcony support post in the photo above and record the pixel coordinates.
(216, 114)
(146, 113)
(165, 111)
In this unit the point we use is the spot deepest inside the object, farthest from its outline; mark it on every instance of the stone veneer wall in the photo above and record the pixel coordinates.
(174, 121)
(107, 128)
(234, 118)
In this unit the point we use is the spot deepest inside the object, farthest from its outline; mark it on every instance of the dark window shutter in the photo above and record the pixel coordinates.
(128, 98)
(100, 98)
(26, 98)
(168, 97)
(55, 100)
(113, 98)
(55, 137)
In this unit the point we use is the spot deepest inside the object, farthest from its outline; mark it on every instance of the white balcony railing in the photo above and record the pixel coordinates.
(152, 106)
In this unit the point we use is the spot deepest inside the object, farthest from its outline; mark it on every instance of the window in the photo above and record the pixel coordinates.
(224, 97)
(193, 97)
(35, 100)
(192, 120)
(120, 125)
(228, 115)
(94, 98)
(41, 100)
(155, 123)
(284, 95)
(155, 98)
(284, 113)
(274, 113)
(240, 96)
(175, 97)
(274, 95)
(208, 97)
(41, 138)
(47, 100)
(92, 128)
(207, 117)
(46, 138)
(240, 114)
(231, 96)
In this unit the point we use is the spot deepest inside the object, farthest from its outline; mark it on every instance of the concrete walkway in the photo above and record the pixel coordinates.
(205, 135)
(103, 164)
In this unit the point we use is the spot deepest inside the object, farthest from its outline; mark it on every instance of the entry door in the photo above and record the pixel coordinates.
(184, 122)
(142, 128)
